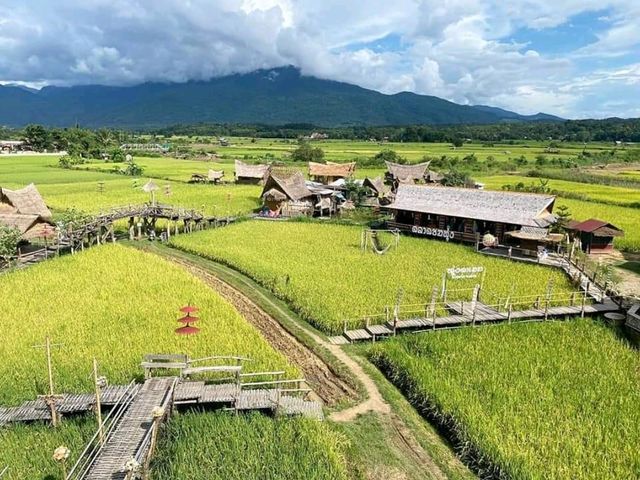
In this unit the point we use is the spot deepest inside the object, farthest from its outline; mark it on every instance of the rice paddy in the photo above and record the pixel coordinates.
(552, 400)
(321, 270)
(117, 303)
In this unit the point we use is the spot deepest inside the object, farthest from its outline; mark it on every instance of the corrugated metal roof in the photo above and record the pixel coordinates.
(524, 209)
(598, 228)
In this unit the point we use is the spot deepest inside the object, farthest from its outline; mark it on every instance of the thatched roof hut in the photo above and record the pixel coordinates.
(293, 186)
(25, 210)
(287, 196)
(215, 176)
(255, 174)
(330, 171)
(377, 186)
(26, 201)
(406, 173)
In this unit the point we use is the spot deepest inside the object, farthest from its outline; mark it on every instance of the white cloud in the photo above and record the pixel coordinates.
(455, 49)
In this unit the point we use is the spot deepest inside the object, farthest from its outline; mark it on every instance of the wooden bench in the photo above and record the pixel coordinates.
(152, 362)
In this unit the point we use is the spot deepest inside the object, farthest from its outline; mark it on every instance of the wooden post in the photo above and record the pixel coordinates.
(510, 310)
(98, 405)
(573, 298)
(546, 309)
(50, 398)
(584, 301)
(158, 414)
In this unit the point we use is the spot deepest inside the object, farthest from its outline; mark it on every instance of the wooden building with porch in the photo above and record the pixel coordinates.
(465, 214)
(596, 236)
(251, 174)
(410, 173)
(330, 172)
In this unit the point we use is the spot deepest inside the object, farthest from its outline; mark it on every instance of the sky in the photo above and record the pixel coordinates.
(573, 58)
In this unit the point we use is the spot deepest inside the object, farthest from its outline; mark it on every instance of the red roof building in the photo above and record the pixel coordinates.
(596, 235)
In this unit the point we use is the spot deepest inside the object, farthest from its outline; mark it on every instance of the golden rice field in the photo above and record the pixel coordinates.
(117, 303)
(322, 272)
(527, 401)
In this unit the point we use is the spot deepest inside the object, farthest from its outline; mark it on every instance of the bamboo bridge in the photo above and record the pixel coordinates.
(143, 218)
(124, 442)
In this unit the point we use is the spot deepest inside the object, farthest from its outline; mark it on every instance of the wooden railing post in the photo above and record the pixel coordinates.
(584, 301)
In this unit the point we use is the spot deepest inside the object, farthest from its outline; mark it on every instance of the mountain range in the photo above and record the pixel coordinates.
(276, 96)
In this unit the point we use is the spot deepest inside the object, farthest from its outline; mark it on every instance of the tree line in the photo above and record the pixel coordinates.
(91, 141)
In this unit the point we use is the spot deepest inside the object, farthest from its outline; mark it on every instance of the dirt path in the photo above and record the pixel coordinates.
(328, 386)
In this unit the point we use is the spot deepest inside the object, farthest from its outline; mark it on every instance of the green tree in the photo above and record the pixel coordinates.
(563, 214)
(9, 240)
(388, 155)
(306, 153)
(37, 137)
(456, 178)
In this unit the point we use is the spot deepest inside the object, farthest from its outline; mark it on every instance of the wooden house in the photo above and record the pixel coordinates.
(330, 172)
(25, 210)
(464, 214)
(596, 236)
(251, 174)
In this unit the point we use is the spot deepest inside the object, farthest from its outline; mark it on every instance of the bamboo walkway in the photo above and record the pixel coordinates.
(463, 313)
(128, 438)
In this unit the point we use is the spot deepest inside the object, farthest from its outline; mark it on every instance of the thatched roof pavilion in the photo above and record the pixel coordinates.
(330, 171)
(406, 173)
(522, 209)
(26, 201)
(465, 214)
(246, 173)
(293, 187)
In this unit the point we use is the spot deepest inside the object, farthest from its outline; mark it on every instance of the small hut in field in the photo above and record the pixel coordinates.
(25, 210)
(596, 236)
(287, 196)
(330, 172)
(251, 174)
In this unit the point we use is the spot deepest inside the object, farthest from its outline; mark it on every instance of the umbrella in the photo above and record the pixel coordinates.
(189, 309)
(187, 330)
(188, 319)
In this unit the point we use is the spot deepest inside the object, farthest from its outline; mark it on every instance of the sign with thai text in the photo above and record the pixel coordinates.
(464, 272)
(433, 232)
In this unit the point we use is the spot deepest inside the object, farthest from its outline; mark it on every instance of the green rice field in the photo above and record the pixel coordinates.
(528, 401)
(321, 270)
(116, 303)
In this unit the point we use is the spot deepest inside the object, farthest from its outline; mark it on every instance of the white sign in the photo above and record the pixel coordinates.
(464, 272)
(433, 232)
